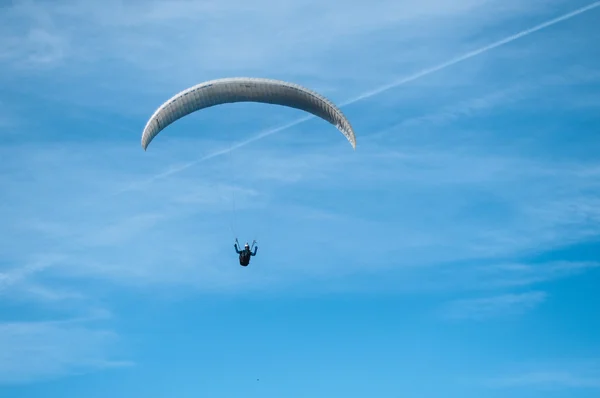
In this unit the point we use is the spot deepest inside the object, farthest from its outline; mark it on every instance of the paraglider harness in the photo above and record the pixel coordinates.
(245, 254)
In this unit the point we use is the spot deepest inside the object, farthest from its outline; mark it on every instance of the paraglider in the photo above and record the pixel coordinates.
(245, 89)
(246, 253)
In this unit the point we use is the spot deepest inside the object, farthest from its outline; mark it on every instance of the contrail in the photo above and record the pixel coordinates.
(184, 166)
(471, 54)
(386, 87)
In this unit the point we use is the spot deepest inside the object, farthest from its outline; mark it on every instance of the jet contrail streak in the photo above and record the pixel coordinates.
(471, 54)
(387, 87)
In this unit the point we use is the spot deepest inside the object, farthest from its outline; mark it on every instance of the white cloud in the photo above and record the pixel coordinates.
(130, 237)
(548, 380)
(437, 214)
(194, 29)
(155, 43)
(496, 306)
(44, 350)
(498, 96)
(560, 374)
(78, 216)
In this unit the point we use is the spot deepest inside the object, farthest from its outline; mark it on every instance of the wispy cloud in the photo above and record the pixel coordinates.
(490, 307)
(88, 39)
(282, 29)
(129, 242)
(19, 283)
(498, 96)
(536, 203)
(509, 275)
(438, 216)
(463, 278)
(548, 380)
(44, 350)
(474, 53)
(396, 83)
(457, 180)
(557, 375)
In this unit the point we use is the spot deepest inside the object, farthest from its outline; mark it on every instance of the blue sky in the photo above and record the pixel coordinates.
(454, 253)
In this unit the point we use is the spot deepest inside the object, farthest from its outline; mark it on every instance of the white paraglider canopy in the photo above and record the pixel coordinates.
(245, 89)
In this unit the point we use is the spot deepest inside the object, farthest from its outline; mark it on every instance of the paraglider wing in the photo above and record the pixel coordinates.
(244, 89)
